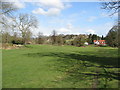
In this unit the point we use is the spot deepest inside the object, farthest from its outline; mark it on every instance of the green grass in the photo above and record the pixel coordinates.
(47, 66)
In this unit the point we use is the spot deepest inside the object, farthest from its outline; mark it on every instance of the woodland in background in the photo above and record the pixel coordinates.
(18, 31)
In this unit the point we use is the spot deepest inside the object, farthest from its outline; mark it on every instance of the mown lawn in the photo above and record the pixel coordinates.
(47, 66)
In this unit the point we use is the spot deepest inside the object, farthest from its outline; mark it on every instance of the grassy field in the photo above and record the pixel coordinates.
(47, 66)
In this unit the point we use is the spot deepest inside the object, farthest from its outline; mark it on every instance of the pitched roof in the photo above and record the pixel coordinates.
(100, 40)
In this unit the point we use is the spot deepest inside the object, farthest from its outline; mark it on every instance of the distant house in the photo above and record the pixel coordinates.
(99, 42)
(86, 43)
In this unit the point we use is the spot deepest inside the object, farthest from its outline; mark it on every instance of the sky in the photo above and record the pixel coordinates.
(68, 17)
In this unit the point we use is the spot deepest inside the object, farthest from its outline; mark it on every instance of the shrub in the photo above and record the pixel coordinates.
(103, 45)
(18, 41)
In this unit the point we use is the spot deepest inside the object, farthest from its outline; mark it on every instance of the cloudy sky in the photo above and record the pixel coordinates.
(68, 17)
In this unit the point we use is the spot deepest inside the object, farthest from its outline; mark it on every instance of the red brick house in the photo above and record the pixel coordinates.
(99, 42)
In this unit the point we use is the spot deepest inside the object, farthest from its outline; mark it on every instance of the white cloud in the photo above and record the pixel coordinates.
(64, 30)
(49, 12)
(102, 29)
(53, 11)
(19, 4)
(50, 7)
(90, 31)
(39, 11)
(45, 30)
(51, 3)
(92, 18)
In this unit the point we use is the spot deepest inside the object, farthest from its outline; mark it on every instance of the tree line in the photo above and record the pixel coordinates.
(18, 31)
(53, 39)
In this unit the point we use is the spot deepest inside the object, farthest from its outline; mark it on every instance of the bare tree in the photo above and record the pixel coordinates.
(28, 37)
(6, 37)
(112, 37)
(7, 8)
(60, 40)
(40, 39)
(112, 6)
(54, 37)
(24, 23)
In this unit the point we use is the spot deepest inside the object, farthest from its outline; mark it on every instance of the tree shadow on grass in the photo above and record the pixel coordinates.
(107, 62)
(77, 65)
